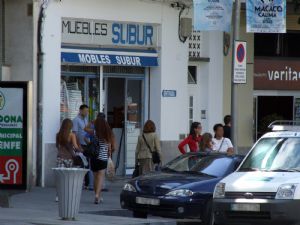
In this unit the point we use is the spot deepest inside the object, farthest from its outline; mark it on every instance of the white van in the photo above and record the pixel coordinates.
(265, 189)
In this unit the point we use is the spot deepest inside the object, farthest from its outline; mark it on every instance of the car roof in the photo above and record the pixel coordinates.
(284, 134)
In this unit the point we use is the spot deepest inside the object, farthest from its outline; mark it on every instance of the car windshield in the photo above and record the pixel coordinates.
(198, 164)
(274, 154)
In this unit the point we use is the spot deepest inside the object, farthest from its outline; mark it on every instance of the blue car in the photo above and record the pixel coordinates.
(183, 189)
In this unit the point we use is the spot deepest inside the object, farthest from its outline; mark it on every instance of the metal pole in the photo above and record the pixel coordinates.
(234, 106)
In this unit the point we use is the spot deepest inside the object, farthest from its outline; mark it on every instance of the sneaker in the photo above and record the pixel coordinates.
(56, 199)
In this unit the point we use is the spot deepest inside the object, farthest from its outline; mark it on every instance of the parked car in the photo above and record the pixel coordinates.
(183, 189)
(266, 187)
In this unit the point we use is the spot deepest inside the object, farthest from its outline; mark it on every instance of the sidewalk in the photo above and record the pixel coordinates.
(38, 207)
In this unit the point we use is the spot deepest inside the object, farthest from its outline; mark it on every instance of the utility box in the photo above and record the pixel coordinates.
(186, 27)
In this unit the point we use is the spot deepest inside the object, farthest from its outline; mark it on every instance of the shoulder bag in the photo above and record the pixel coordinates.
(155, 155)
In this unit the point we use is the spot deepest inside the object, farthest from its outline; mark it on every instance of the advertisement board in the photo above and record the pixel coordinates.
(13, 135)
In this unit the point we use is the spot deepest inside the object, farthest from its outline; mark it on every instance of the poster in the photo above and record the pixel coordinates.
(212, 15)
(13, 152)
(266, 16)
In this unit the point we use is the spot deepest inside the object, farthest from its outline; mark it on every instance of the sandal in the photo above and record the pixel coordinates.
(97, 201)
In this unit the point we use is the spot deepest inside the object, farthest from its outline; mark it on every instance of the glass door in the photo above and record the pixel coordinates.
(133, 118)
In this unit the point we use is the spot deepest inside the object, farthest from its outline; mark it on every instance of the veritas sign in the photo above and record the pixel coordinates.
(13, 135)
(276, 74)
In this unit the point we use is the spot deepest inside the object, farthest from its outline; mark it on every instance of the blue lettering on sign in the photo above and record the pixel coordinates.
(132, 34)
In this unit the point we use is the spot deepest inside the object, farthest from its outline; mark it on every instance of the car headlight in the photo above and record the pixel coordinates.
(286, 191)
(129, 187)
(219, 190)
(180, 193)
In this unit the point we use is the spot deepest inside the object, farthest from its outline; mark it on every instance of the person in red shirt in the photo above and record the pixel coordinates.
(193, 139)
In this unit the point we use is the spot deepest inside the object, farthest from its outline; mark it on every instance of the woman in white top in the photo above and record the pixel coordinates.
(221, 144)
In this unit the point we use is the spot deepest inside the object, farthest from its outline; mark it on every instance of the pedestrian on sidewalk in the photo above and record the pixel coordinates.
(148, 143)
(227, 126)
(66, 144)
(206, 144)
(80, 123)
(104, 143)
(193, 140)
(220, 143)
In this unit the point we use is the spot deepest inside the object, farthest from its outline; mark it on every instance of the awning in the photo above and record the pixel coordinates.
(120, 57)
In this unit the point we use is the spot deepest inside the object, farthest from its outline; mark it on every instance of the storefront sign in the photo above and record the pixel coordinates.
(139, 59)
(108, 33)
(13, 144)
(240, 62)
(276, 74)
(212, 15)
(169, 93)
(266, 16)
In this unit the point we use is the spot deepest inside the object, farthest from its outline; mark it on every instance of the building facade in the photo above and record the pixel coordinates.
(123, 58)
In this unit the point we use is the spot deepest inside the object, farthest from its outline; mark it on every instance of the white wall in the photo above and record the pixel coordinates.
(174, 59)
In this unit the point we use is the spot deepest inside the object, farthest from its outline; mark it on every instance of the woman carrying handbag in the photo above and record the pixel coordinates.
(148, 151)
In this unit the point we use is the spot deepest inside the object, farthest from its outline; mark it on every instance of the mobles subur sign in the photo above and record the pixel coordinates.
(108, 33)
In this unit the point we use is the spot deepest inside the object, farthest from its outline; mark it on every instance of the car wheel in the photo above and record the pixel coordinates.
(141, 215)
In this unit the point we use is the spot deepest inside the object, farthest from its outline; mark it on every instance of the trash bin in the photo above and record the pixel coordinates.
(69, 183)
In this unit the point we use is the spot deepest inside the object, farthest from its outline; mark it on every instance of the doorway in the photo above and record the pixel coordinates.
(124, 107)
(270, 108)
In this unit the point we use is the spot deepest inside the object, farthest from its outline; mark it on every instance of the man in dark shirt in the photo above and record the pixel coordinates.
(227, 126)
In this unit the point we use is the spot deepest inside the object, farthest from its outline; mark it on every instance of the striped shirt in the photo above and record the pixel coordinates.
(102, 149)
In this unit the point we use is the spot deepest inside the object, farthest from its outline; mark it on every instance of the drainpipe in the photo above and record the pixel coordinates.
(40, 61)
(2, 37)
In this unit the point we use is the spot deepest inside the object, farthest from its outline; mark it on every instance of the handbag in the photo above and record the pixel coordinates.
(155, 155)
(136, 171)
(91, 150)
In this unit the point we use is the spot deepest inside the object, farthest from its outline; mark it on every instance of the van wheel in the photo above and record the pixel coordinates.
(141, 215)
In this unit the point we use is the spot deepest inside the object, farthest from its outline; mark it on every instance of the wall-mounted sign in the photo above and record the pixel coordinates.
(266, 16)
(13, 135)
(145, 58)
(276, 74)
(240, 62)
(169, 93)
(212, 15)
(108, 33)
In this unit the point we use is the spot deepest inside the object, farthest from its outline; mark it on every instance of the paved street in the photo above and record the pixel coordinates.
(38, 207)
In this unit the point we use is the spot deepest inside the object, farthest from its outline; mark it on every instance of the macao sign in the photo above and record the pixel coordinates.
(13, 152)
(108, 33)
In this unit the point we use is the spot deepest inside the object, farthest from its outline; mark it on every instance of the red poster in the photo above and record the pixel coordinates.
(10, 170)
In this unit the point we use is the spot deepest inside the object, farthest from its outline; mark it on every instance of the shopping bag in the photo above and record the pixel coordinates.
(110, 171)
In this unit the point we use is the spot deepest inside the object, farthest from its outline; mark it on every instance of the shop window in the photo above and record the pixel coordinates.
(191, 110)
(277, 45)
(78, 90)
(192, 75)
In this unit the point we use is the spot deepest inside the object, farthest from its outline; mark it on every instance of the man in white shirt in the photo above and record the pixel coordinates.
(221, 144)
